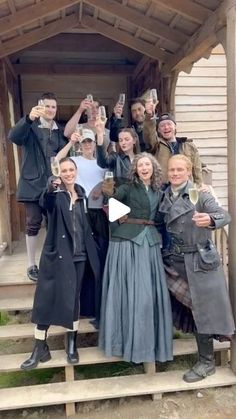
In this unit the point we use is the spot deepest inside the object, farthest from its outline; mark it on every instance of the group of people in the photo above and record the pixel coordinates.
(150, 270)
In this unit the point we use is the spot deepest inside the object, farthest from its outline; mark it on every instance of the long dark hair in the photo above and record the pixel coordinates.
(134, 135)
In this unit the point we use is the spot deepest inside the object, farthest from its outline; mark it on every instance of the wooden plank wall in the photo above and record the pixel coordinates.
(201, 114)
(70, 90)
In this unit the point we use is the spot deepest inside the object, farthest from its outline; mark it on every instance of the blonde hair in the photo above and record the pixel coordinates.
(183, 158)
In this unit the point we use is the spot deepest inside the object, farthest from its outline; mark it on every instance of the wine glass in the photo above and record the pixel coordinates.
(102, 113)
(89, 98)
(193, 195)
(79, 129)
(55, 168)
(121, 100)
(154, 99)
(43, 110)
(109, 176)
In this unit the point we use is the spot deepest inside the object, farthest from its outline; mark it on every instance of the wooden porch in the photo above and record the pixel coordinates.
(16, 294)
(103, 46)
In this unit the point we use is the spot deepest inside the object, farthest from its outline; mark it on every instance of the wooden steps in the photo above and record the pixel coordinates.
(107, 388)
(21, 331)
(93, 355)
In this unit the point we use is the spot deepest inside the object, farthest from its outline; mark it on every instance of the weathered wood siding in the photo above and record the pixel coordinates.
(201, 114)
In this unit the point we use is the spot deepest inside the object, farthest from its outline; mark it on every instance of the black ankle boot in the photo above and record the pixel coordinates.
(71, 347)
(40, 353)
(206, 363)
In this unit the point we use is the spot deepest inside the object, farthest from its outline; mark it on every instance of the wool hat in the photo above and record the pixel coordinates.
(88, 134)
(165, 117)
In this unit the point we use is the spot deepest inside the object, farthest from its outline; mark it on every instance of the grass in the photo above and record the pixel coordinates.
(4, 318)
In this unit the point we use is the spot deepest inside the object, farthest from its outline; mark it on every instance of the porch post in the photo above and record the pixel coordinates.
(231, 127)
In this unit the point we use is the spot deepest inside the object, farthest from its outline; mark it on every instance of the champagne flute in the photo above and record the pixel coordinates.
(89, 98)
(42, 105)
(193, 195)
(102, 113)
(55, 168)
(109, 176)
(121, 100)
(76, 146)
(154, 99)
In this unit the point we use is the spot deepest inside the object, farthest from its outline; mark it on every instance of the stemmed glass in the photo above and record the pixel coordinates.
(76, 148)
(121, 100)
(56, 171)
(102, 113)
(193, 195)
(154, 99)
(109, 176)
(89, 111)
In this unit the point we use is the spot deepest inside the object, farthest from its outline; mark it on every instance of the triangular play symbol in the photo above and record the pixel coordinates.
(117, 209)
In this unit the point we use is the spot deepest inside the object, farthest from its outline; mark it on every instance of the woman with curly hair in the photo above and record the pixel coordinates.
(136, 321)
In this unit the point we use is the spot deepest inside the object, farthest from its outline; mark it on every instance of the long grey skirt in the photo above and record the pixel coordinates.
(136, 320)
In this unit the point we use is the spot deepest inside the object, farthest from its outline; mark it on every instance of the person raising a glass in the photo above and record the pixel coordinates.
(193, 267)
(69, 244)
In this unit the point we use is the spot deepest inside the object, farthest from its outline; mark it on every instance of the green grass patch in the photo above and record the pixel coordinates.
(26, 378)
(107, 370)
(4, 318)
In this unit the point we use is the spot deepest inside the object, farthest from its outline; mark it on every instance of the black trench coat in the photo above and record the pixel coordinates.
(210, 300)
(55, 292)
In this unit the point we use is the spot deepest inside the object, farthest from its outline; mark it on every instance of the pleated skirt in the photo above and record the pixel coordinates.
(136, 319)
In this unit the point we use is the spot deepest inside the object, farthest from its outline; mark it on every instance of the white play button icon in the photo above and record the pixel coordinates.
(117, 209)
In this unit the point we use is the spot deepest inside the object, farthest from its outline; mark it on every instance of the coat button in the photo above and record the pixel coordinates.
(60, 257)
(63, 236)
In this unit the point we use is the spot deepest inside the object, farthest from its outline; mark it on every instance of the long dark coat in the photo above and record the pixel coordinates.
(210, 300)
(55, 292)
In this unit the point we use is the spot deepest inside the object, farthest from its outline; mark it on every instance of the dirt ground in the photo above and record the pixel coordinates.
(204, 404)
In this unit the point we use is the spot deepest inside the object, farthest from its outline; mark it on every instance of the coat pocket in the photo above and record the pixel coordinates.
(206, 258)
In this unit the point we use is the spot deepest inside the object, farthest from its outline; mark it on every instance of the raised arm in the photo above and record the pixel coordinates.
(74, 120)
(65, 150)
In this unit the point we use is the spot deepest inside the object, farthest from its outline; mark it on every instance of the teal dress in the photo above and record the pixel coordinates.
(136, 320)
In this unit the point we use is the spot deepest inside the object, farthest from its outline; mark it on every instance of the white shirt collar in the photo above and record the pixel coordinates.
(47, 124)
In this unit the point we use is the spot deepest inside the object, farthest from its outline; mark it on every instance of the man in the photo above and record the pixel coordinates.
(40, 138)
(90, 109)
(195, 278)
(166, 144)
(137, 110)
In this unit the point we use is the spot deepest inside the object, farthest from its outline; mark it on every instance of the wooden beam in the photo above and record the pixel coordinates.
(231, 128)
(186, 8)
(29, 14)
(139, 67)
(152, 26)
(126, 39)
(204, 39)
(37, 35)
(73, 69)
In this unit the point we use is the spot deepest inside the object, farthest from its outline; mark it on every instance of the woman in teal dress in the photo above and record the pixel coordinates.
(136, 321)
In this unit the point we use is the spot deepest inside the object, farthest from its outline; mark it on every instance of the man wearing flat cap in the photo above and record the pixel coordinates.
(161, 135)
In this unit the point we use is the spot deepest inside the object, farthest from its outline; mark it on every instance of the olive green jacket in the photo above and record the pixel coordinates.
(162, 151)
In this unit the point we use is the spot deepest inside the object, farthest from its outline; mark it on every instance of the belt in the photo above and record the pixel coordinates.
(140, 221)
(178, 248)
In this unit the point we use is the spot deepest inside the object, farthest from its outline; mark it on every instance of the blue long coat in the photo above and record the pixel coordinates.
(55, 292)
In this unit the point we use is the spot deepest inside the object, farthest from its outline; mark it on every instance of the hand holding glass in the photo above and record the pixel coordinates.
(55, 168)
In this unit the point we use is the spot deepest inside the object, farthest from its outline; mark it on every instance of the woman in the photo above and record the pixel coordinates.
(119, 162)
(90, 176)
(135, 314)
(69, 243)
(194, 274)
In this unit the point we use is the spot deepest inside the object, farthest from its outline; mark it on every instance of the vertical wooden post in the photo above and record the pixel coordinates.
(231, 126)
(70, 376)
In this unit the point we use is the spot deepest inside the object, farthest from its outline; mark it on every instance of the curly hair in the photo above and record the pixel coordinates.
(156, 178)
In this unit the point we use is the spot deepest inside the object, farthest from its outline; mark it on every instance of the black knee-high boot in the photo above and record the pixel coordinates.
(206, 363)
(71, 347)
(40, 353)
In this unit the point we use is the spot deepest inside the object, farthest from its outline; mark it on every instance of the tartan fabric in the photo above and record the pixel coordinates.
(178, 286)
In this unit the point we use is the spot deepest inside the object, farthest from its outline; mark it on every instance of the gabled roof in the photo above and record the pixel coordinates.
(174, 32)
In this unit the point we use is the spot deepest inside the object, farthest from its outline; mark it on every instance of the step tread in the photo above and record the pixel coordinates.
(14, 304)
(91, 355)
(20, 331)
(106, 388)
